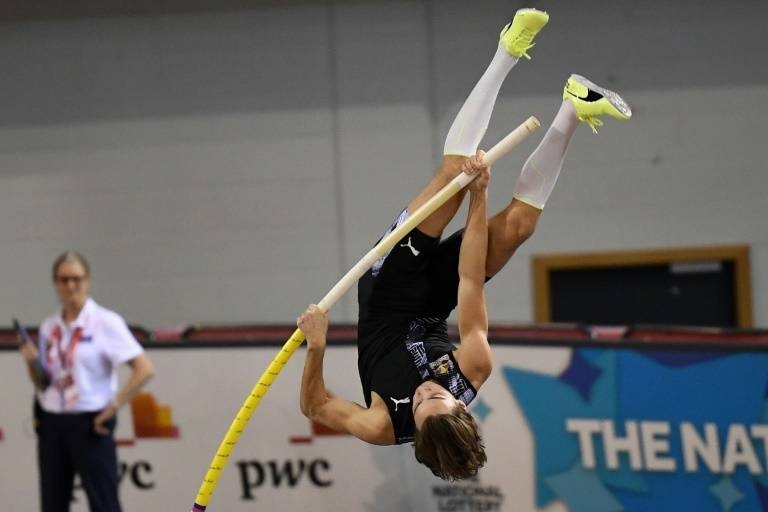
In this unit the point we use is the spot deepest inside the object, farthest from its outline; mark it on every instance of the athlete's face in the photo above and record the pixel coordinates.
(431, 398)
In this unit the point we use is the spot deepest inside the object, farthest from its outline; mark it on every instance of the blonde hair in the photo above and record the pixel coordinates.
(70, 257)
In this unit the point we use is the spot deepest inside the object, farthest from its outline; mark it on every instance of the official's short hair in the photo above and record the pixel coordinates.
(450, 445)
(70, 257)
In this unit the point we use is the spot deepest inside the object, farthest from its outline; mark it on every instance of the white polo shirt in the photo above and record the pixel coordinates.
(82, 358)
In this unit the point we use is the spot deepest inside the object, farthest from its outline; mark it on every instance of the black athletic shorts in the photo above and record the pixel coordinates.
(419, 277)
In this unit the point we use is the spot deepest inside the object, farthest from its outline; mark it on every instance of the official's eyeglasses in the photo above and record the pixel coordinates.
(74, 279)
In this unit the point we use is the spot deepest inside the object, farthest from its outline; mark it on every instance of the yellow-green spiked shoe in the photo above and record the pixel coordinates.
(592, 101)
(517, 37)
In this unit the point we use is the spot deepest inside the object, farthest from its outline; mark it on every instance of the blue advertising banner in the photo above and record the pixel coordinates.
(649, 430)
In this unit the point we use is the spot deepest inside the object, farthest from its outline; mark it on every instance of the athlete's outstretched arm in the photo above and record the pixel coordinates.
(319, 404)
(474, 354)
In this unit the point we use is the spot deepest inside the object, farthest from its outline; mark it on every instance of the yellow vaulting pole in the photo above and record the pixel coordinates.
(258, 391)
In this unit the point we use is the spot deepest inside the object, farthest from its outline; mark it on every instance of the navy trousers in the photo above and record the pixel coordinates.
(67, 444)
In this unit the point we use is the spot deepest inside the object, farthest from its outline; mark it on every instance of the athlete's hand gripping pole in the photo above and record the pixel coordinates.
(326, 303)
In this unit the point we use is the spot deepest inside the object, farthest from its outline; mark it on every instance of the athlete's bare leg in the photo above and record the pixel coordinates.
(507, 230)
(435, 224)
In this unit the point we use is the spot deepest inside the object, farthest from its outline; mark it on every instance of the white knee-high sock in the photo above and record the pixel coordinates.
(470, 124)
(540, 171)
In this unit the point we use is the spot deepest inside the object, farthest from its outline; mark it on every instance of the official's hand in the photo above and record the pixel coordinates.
(314, 324)
(98, 422)
(29, 352)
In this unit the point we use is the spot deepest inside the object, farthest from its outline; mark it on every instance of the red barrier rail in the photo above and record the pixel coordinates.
(270, 333)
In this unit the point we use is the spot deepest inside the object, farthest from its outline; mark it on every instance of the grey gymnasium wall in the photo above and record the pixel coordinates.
(231, 165)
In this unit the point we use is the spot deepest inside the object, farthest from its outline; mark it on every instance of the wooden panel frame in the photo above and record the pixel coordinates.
(543, 265)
